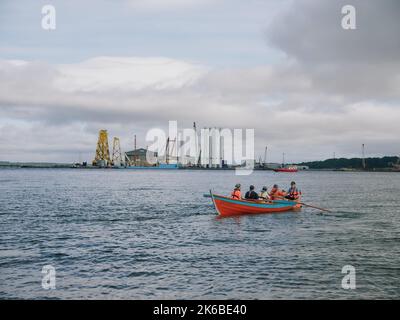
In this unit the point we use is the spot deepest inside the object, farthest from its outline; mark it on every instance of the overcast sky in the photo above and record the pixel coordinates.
(286, 68)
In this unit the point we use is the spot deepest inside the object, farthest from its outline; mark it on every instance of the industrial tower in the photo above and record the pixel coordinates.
(265, 156)
(102, 157)
(363, 157)
(116, 153)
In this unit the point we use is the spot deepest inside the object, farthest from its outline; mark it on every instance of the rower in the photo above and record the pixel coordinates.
(236, 194)
(264, 194)
(293, 193)
(276, 193)
(251, 194)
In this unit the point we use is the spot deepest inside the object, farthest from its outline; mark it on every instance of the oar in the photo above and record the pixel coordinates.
(306, 205)
(309, 205)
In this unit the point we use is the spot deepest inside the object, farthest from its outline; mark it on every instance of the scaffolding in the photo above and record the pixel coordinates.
(117, 159)
(102, 157)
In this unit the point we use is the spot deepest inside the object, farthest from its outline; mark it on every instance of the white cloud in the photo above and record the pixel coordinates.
(48, 108)
(127, 74)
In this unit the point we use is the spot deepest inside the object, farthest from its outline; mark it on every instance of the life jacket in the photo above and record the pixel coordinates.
(276, 194)
(264, 194)
(294, 193)
(236, 194)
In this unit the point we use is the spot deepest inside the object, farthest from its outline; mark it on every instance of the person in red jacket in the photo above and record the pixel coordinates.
(276, 193)
(236, 194)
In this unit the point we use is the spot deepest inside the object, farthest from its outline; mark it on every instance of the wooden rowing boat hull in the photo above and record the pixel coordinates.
(226, 206)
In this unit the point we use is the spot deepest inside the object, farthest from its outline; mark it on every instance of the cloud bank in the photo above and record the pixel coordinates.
(334, 90)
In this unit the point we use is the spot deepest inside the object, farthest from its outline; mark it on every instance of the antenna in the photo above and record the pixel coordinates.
(167, 152)
(283, 160)
(134, 146)
(199, 158)
(195, 138)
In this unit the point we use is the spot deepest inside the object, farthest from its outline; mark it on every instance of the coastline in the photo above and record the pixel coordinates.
(33, 165)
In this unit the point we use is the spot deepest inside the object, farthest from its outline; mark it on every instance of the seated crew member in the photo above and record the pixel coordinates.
(264, 194)
(251, 194)
(293, 193)
(236, 193)
(276, 193)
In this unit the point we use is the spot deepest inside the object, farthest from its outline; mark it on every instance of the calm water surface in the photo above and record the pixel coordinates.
(152, 235)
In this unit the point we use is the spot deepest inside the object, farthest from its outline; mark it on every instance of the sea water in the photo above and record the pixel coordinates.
(144, 234)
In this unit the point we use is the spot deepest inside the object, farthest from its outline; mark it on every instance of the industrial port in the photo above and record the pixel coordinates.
(142, 158)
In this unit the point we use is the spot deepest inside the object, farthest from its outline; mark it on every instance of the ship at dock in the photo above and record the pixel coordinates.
(286, 168)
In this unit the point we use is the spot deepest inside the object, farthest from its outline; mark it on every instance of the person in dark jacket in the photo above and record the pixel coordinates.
(251, 194)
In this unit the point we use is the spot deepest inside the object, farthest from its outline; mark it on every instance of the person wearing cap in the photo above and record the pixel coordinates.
(236, 194)
(251, 194)
(276, 193)
(293, 193)
(264, 193)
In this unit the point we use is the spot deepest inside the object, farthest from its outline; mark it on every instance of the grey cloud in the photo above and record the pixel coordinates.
(359, 64)
(311, 32)
(49, 114)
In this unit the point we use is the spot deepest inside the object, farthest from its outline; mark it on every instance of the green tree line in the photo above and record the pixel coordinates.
(353, 163)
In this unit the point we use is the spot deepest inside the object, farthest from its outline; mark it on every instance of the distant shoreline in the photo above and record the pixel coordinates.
(382, 164)
(20, 165)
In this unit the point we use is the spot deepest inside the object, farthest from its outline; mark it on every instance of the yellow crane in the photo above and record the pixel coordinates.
(102, 157)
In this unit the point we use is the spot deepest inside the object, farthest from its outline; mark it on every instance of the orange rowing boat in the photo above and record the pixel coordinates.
(226, 206)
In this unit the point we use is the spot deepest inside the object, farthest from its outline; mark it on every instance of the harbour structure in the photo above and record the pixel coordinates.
(141, 157)
(208, 150)
(272, 165)
(171, 152)
(213, 143)
(117, 159)
(265, 156)
(102, 157)
(363, 157)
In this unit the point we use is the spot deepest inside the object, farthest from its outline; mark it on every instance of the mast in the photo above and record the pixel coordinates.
(265, 155)
(167, 152)
(134, 147)
(199, 158)
(196, 142)
(363, 156)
